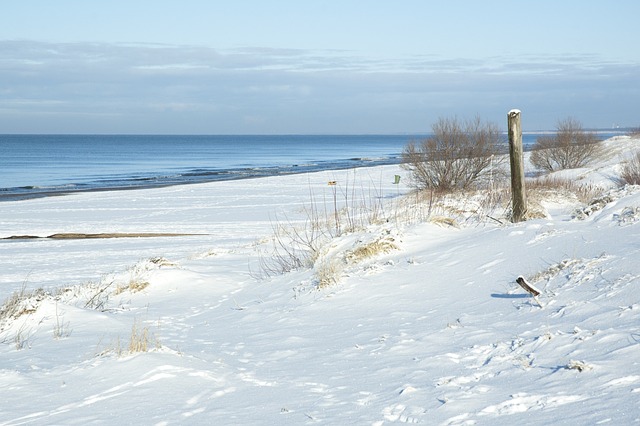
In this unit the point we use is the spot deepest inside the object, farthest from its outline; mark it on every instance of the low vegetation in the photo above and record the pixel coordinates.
(458, 179)
(630, 173)
(548, 187)
(570, 148)
(17, 311)
(21, 302)
(341, 209)
(635, 132)
(314, 244)
(457, 156)
(141, 339)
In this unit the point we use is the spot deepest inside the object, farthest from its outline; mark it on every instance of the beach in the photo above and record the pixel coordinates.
(185, 319)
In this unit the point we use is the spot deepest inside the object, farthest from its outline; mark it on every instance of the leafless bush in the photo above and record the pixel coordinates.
(630, 173)
(294, 247)
(635, 132)
(571, 147)
(457, 156)
(298, 244)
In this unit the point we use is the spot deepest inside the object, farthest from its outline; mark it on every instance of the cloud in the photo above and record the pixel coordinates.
(106, 87)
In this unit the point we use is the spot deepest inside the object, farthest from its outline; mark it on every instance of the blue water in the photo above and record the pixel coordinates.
(42, 165)
(39, 165)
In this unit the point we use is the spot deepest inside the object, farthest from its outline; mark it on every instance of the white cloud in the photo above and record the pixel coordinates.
(156, 87)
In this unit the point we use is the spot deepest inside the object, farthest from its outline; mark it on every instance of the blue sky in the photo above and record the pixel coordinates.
(247, 67)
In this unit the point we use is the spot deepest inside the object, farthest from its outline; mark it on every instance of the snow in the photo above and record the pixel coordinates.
(433, 329)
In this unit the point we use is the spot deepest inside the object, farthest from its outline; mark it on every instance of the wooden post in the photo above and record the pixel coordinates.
(516, 156)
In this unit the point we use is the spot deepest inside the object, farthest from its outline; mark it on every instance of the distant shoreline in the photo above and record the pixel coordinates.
(63, 191)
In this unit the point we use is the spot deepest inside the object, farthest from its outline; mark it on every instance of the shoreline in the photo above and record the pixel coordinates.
(187, 171)
(5, 195)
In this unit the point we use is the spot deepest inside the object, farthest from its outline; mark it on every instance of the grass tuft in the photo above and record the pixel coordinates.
(141, 339)
(134, 285)
(374, 248)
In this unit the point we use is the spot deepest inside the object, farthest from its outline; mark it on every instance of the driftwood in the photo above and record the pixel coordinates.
(529, 288)
(81, 236)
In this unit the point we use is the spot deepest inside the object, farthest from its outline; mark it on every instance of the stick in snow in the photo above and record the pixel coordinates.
(529, 288)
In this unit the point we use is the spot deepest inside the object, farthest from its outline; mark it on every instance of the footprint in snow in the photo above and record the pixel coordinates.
(521, 402)
(402, 413)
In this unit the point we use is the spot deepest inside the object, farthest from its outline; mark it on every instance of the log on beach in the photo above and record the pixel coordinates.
(81, 236)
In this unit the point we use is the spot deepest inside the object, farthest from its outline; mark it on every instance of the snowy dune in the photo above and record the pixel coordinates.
(434, 331)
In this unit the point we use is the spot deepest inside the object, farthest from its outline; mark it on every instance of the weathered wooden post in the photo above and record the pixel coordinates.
(516, 156)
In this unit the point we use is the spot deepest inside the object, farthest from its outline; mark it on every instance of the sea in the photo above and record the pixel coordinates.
(46, 165)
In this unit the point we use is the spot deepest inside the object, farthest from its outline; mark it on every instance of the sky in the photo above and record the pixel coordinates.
(307, 67)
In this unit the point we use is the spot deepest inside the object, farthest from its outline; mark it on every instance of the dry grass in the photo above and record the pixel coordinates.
(374, 248)
(134, 285)
(328, 272)
(549, 186)
(444, 221)
(305, 244)
(340, 210)
(630, 173)
(21, 302)
(300, 244)
(554, 270)
(141, 339)
(330, 266)
(453, 208)
(137, 281)
(61, 327)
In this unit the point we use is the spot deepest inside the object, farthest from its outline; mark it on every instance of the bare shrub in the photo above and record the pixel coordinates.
(570, 148)
(294, 247)
(635, 132)
(457, 156)
(297, 244)
(630, 173)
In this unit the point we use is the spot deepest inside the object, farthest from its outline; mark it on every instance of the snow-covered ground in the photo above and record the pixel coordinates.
(430, 329)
